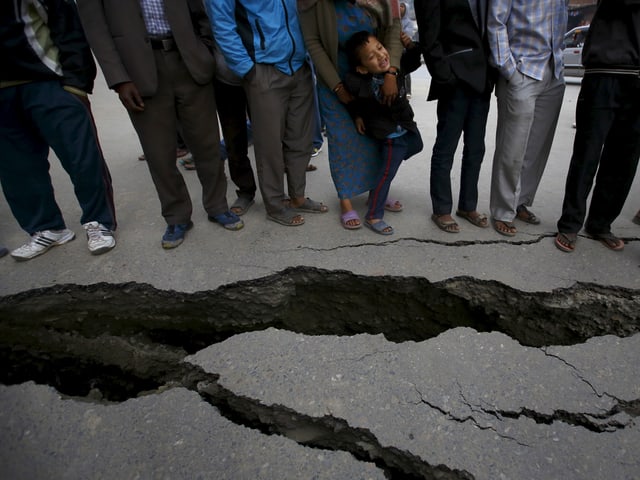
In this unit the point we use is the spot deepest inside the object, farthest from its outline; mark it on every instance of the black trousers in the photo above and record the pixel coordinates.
(606, 148)
(232, 110)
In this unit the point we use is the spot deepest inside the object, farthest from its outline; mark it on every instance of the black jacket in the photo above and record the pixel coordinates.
(381, 120)
(33, 59)
(613, 41)
(454, 44)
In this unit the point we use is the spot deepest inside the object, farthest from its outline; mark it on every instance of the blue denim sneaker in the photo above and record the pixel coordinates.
(174, 234)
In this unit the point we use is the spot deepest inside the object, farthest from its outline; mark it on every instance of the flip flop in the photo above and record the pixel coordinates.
(311, 206)
(393, 205)
(449, 226)
(187, 163)
(350, 216)
(286, 217)
(609, 240)
(526, 215)
(479, 220)
(229, 220)
(508, 228)
(380, 227)
(566, 241)
(241, 205)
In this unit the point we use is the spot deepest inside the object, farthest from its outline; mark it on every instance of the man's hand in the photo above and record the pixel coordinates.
(130, 97)
(360, 125)
(406, 40)
(389, 89)
(343, 94)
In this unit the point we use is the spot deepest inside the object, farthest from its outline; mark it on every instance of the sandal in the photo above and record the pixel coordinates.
(311, 206)
(229, 220)
(392, 205)
(311, 168)
(241, 205)
(609, 240)
(508, 229)
(449, 226)
(479, 219)
(526, 215)
(380, 227)
(350, 216)
(187, 163)
(636, 219)
(287, 217)
(566, 241)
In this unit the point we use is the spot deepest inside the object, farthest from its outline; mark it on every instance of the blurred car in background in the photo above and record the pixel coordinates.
(572, 56)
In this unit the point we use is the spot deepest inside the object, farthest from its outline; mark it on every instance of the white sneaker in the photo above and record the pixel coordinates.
(41, 242)
(316, 151)
(99, 238)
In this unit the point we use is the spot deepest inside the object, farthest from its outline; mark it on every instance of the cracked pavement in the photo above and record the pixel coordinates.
(477, 403)
(424, 355)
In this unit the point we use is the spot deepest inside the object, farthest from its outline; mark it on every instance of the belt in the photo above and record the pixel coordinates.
(166, 44)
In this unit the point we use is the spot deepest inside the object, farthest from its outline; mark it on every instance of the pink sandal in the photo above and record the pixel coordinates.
(393, 205)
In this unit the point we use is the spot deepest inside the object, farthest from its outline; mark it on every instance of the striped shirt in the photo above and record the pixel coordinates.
(525, 35)
(155, 18)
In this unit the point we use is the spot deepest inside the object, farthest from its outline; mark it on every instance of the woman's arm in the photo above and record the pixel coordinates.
(319, 52)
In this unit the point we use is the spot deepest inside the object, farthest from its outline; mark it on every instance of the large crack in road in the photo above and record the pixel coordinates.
(109, 343)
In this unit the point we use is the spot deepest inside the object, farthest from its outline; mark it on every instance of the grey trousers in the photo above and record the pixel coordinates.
(281, 109)
(179, 97)
(528, 111)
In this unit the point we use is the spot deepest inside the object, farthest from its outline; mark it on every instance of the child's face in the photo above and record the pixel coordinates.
(374, 58)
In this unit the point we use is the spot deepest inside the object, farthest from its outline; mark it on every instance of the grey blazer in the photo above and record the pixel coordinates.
(118, 37)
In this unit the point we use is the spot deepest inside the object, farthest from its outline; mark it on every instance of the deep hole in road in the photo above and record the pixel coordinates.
(111, 342)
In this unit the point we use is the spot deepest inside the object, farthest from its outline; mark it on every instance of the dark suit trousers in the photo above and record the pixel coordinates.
(606, 142)
(179, 98)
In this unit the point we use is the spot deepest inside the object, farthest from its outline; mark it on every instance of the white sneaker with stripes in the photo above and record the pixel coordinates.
(99, 238)
(41, 242)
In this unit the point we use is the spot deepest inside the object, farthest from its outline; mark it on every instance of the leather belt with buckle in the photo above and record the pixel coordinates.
(165, 44)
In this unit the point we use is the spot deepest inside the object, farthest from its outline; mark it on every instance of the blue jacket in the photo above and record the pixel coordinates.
(258, 31)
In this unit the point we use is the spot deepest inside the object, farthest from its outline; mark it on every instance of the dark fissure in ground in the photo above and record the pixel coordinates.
(113, 342)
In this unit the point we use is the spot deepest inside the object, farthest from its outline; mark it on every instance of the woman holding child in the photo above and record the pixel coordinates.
(327, 25)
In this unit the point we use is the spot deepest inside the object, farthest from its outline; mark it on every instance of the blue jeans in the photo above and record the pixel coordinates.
(393, 151)
(461, 111)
